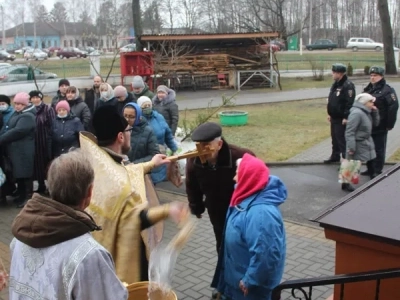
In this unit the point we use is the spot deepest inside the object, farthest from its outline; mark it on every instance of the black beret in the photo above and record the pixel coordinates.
(63, 81)
(206, 132)
(6, 99)
(35, 94)
(340, 68)
(377, 70)
(107, 122)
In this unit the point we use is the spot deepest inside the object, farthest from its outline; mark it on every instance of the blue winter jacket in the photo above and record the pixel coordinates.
(254, 246)
(6, 117)
(164, 137)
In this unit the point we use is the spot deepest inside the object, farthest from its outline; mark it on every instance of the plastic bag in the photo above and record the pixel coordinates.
(349, 171)
(183, 147)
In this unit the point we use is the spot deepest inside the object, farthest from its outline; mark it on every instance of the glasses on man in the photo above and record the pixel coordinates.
(129, 128)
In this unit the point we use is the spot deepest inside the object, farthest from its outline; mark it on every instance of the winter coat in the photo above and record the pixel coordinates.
(144, 92)
(387, 104)
(44, 119)
(120, 104)
(65, 134)
(19, 140)
(6, 117)
(143, 143)
(81, 110)
(358, 132)
(169, 109)
(164, 137)
(341, 98)
(91, 97)
(57, 98)
(254, 247)
(112, 102)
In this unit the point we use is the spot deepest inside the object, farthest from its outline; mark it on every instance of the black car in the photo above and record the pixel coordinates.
(4, 55)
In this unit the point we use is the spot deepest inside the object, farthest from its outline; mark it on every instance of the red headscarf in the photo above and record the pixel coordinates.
(253, 176)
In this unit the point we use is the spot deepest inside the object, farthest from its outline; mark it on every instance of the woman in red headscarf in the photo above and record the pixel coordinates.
(252, 256)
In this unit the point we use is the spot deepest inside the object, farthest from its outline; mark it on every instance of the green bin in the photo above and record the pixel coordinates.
(233, 118)
(293, 42)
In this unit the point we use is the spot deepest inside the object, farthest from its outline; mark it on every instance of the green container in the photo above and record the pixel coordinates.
(293, 42)
(233, 118)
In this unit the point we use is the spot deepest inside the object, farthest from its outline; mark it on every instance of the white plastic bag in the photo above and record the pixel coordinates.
(183, 147)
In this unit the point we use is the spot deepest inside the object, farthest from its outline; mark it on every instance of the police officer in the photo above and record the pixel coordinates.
(340, 100)
(388, 104)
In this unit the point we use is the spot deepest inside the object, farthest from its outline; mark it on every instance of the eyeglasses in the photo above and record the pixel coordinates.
(129, 117)
(128, 129)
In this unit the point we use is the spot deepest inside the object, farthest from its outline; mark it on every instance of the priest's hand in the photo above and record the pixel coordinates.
(179, 212)
(160, 159)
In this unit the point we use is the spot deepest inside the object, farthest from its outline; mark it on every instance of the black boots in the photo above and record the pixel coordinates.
(331, 160)
(348, 187)
(25, 190)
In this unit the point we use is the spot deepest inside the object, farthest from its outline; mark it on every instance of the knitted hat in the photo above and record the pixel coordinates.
(35, 94)
(143, 99)
(6, 99)
(63, 82)
(137, 82)
(22, 98)
(364, 98)
(107, 123)
(63, 104)
(120, 91)
(162, 88)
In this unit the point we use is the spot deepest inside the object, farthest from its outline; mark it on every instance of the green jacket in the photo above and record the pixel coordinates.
(145, 92)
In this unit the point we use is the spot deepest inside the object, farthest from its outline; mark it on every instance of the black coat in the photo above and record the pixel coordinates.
(143, 143)
(19, 140)
(341, 98)
(91, 99)
(387, 103)
(65, 134)
(120, 104)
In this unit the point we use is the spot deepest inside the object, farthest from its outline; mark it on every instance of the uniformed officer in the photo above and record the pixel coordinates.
(340, 100)
(388, 104)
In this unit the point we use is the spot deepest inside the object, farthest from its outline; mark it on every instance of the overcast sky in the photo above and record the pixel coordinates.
(49, 3)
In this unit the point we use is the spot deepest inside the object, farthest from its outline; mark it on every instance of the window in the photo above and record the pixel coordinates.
(76, 43)
(65, 43)
(353, 40)
(360, 40)
(71, 43)
(48, 43)
(370, 41)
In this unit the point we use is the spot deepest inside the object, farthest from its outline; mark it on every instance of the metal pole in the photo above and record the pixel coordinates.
(310, 25)
(301, 28)
(3, 40)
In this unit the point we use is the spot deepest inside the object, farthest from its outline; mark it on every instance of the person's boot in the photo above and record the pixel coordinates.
(365, 173)
(348, 187)
(331, 160)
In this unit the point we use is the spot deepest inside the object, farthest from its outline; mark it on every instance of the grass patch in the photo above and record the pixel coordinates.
(395, 156)
(277, 131)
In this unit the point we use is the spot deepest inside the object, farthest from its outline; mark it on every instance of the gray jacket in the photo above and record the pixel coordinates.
(169, 109)
(358, 132)
(19, 140)
(81, 110)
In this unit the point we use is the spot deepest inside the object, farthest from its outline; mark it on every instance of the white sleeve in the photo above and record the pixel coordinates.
(95, 279)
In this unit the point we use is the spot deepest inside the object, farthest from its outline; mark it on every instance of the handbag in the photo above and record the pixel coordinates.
(349, 171)
(174, 174)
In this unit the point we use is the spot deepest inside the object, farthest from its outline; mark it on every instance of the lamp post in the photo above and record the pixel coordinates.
(3, 40)
(310, 25)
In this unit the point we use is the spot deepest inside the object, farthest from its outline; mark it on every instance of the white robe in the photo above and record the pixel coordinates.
(76, 269)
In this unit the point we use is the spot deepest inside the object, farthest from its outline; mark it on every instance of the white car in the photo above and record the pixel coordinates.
(22, 50)
(128, 48)
(356, 43)
(35, 54)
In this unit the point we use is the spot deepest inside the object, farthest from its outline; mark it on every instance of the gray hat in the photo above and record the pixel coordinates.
(377, 70)
(340, 68)
(206, 132)
(137, 82)
(163, 88)
(364, 98)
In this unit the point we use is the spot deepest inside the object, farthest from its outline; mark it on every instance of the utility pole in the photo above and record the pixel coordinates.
(301, 28)
(310, 25)
(3, 40)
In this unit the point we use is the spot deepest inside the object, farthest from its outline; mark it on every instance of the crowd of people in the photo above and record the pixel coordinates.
(34, 133)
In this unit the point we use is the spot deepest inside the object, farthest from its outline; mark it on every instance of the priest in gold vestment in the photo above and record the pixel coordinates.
(119, 203)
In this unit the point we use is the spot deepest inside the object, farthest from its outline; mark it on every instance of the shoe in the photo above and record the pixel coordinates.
(21, 205)
(331, 160)
(348, 187)
(365, 173)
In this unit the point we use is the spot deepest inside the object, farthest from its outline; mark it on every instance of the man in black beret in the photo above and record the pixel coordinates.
(211, 185)
(63, 84)
(387, 104)
(340, 100)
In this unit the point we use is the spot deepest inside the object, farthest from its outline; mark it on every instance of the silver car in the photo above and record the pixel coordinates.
(20, 73)
(35, 54)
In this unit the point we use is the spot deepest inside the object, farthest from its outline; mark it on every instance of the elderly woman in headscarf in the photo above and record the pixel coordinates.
(252, 256)
(143, 141)
(78, 107)
(163, 133)
(106, 95)
(164, 103)
(359, 143)
(44, 120)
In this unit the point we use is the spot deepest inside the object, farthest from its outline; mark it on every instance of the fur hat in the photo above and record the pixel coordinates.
(63, 104)
(137, 82)
(107, 123)
(6, 99)
(143, 99)
(22, 98)
(35, 94)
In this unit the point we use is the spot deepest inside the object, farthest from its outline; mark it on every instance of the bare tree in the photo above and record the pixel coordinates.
(137, 23)
(387, 33)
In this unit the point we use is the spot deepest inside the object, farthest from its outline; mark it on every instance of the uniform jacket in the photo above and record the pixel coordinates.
(80, 110)
(169, 109)
(341, 98)
(55, 257)
(387, 103)
(65, 134)
(254, 248)
(19, 140)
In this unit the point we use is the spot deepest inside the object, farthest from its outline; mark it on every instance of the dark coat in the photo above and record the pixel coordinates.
(91, 99)
(57, 98)
(216, 184)
(169, 109)
(112, 102)
(341, 99)
(45, 116)
(19, 140)
(6, 117)
(80, 110)
(143, 143)
(144, 92)
(120, 104)
(387, 104)
(65, 134)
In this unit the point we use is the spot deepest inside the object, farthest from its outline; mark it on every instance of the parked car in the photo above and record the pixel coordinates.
(356, 43)
(4, 55)
(35, 54)
(5, 65)
(321, 44)
(20, 73)
(71, 52)
(47, 51)
(127, 48)
(88, 50)
(22, 50)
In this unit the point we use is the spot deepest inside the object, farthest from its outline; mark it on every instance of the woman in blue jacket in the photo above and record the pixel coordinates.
(163, 134)
(252, 256)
